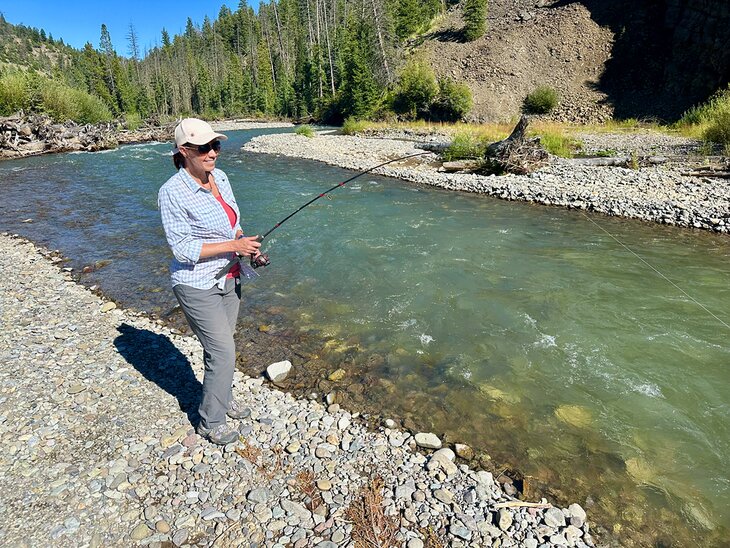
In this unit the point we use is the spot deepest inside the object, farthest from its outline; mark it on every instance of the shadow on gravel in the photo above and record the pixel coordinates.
(162, 363)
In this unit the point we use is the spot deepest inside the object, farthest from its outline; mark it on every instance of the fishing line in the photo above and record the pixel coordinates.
(263, 262)
(682, 291)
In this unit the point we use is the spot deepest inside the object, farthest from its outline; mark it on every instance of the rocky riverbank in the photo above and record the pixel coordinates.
(96, 406)
(660, 193)
(31, 135)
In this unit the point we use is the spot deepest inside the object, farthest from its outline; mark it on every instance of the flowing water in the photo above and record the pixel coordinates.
(523, 330)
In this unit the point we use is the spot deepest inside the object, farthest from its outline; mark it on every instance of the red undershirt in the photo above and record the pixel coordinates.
(236, 270)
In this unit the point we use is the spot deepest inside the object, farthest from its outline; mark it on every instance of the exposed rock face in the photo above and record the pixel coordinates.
(700, 59)
(624, 58)
(668, 54)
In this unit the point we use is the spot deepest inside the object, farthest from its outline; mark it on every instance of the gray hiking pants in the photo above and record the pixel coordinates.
(212, 315)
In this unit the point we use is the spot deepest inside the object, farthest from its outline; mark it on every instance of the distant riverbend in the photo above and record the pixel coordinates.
(659, 194)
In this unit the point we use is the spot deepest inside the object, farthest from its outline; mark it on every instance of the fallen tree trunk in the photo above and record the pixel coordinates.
(619, 161)
(716, 174)
(460, 165)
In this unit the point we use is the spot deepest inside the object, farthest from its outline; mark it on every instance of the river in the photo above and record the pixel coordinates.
(523, 330)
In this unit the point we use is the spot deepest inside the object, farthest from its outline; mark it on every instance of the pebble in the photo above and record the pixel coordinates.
(163, 482)
(140, 532)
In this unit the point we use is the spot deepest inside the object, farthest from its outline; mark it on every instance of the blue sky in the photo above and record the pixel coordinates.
(79, 21)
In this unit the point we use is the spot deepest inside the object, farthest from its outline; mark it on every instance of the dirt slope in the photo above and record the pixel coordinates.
(527, 44)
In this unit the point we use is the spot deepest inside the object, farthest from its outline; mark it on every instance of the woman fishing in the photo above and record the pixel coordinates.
(202, 226)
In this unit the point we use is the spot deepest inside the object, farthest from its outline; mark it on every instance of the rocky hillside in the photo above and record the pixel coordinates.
(624, 58)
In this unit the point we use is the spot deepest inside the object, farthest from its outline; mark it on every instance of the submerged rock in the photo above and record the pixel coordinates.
(575, 415)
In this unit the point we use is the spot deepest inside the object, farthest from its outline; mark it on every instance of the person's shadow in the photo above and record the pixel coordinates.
(162, 363)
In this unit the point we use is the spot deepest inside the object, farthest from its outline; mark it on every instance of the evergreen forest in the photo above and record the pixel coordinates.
(325, 60)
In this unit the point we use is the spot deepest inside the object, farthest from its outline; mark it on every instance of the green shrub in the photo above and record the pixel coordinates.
(559, 144)
(58, 102)
(132, 121)
(718, 130)
(36, 93)
(416, 89)
(541, 100)
(352, 126)
(704, 113)
(305, 130)
(465, 146)
(13, 93)
(453, 101)
(92, 110)
(475, 19)
(709, 121)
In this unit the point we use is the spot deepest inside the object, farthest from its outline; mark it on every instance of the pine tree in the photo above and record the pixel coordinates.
(475, 18)
(359, 90)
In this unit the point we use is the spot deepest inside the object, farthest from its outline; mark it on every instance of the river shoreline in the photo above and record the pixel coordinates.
(99, 449)
(661, 194)
(23, 136)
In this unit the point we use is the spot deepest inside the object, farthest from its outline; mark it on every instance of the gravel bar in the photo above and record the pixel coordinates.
(659, 193)
(99, 449)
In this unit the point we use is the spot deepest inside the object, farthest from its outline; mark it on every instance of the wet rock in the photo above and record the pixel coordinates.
(577, 515)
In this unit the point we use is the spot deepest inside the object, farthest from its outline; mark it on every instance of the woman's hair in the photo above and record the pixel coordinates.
(179, 160)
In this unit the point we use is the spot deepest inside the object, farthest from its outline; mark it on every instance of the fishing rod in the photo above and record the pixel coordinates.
(263, 259)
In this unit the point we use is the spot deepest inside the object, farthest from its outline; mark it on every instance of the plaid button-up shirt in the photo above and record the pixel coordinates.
(191, 216)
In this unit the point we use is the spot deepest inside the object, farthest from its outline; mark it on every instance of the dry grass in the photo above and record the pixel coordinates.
(307, 484)
(371, 528)
(431, 539)
(254, 455)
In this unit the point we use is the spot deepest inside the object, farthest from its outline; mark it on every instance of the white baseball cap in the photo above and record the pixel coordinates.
(195, 132)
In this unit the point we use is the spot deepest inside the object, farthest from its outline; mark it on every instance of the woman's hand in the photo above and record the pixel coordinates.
(246, 245)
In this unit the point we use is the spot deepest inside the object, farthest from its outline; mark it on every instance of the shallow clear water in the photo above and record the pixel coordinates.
(523, 330)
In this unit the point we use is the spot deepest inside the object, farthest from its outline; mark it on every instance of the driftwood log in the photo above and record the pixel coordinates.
(716, 174)
(461, 165)
(516, 154)
(620, 161)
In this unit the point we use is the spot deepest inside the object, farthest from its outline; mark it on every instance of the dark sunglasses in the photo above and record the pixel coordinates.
(206, 148)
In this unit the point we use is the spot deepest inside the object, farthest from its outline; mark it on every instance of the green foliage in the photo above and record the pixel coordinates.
(711, 120)
(305, 130)
(272, 61)
(718, 130)
(352, 126)
(132, 121)
(414, 16)
(416, 89)
(453, 102)
(704, 113)
(13, 93)
(475, 19)
(541, 100)
(64, 103)
(30, 91)
(559, 144)
(465, 146)
(360, 91)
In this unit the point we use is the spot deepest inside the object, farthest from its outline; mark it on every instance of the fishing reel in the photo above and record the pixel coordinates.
(261, 260)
